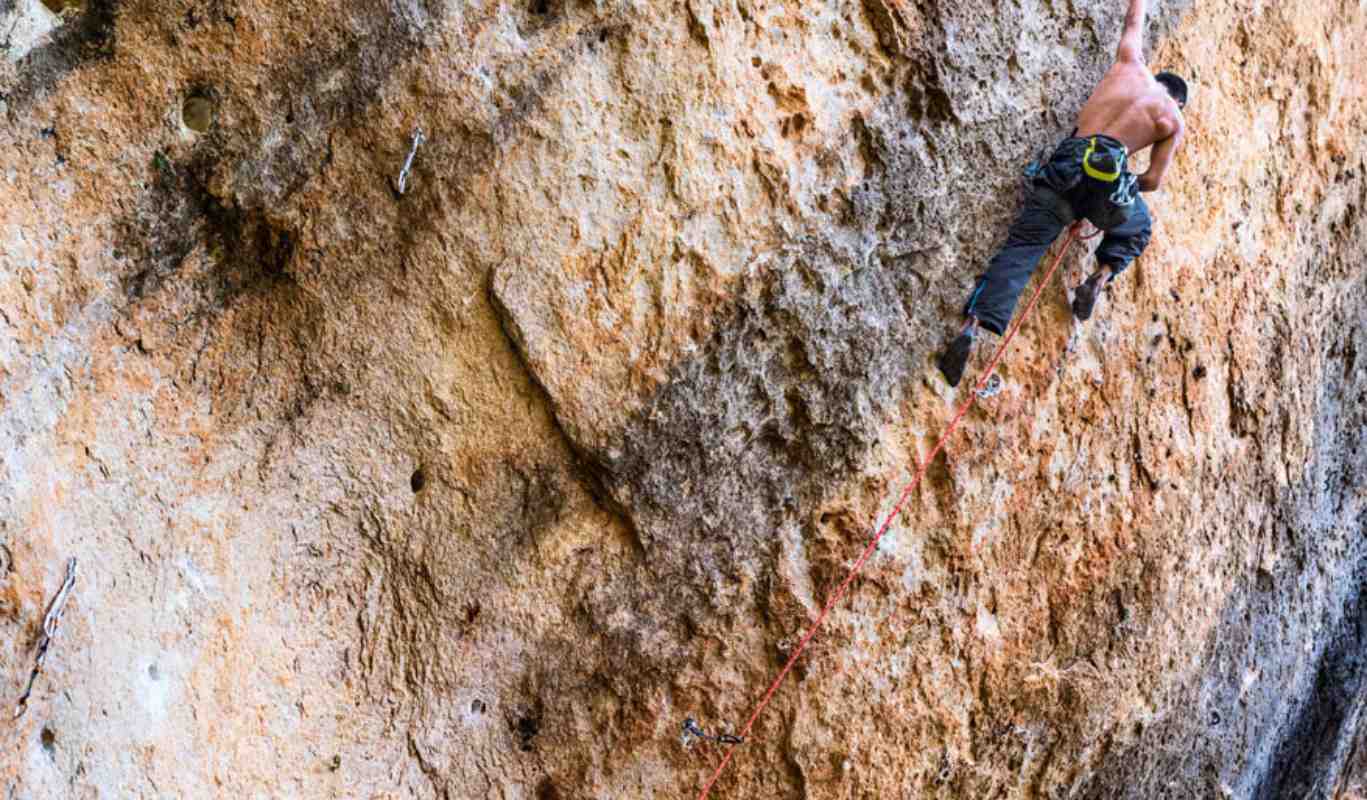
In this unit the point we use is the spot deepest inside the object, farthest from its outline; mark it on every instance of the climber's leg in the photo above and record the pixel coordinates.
(1120, 246)
(993, 300)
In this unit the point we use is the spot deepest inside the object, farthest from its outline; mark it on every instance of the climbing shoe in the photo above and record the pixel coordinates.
(1084, 299)
(955, 357)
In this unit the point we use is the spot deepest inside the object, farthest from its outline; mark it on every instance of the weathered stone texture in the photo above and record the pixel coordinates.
(482, 489)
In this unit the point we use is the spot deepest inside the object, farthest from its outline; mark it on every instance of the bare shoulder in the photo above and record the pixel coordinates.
(1167, 117)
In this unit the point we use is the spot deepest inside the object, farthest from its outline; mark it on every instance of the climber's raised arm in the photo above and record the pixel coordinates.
(1132, 38)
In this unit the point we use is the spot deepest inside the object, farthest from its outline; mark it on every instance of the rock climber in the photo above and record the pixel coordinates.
(1086, 177)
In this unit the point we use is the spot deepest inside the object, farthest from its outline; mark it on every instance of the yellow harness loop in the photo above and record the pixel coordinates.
(1108, 177)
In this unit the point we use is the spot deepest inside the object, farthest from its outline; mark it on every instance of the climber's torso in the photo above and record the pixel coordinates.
(1131, 106)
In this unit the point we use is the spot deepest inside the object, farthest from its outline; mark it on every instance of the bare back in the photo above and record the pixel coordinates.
(1132, 107)
(1129, 105)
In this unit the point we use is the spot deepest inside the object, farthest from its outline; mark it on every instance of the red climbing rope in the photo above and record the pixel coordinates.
(896, 509)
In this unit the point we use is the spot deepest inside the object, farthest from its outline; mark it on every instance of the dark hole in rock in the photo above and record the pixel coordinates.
(49, 740)
(153, 672)
(546, 790)
(418, 481)
(198, 113)
(477, 706)
(540, 7)
(1199, 372)
(527, 728)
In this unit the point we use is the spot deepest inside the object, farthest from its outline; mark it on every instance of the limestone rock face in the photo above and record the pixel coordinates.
(480, 489)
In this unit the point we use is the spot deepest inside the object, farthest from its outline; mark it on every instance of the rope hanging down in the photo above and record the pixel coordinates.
(1073, 235)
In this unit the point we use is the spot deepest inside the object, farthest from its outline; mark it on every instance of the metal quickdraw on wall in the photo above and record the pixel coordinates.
(50, 623)
(691, 731)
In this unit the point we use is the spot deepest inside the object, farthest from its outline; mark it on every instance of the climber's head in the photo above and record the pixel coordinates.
(1175, 86)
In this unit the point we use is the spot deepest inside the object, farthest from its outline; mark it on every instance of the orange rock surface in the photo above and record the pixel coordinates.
(479, 490)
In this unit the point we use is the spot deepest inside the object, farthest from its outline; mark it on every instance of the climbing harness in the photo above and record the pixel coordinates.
(1109, 199)
(1074, 233)
(50, 623)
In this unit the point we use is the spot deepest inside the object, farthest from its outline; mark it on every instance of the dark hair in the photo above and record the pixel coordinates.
(1175, 86)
